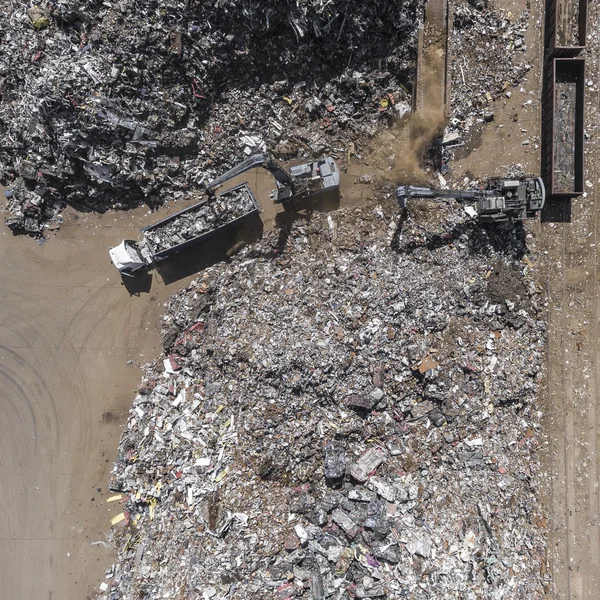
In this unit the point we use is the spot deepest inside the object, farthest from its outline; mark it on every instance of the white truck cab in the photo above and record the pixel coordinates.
(127, 258)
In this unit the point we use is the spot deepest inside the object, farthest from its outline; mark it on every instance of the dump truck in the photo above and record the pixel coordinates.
(184, 229)
(500, 201)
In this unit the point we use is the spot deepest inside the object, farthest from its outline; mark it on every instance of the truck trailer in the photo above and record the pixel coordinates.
(184, 229)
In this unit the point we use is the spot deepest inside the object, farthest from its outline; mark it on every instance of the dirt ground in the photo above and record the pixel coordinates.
(573, 366)
(570, 276)
(71, 335)
(68, 330)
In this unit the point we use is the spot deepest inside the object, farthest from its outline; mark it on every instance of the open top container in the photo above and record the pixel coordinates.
(567, 26)
(563, 127)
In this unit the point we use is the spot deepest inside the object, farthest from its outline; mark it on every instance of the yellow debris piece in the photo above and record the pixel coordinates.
(152, 504)
(117, 518)
(114, 498)
(222, 474)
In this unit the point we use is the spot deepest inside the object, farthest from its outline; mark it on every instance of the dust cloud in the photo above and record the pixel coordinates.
(396, 154)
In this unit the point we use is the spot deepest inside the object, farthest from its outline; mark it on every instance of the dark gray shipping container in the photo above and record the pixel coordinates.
(562, 129)
(566, 22)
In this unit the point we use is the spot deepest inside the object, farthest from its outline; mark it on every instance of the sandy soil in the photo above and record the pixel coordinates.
(570, 277)
(574, 366)
(68, 330)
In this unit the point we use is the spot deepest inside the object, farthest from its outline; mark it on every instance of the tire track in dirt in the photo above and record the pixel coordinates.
(573, 365)
(65, 329)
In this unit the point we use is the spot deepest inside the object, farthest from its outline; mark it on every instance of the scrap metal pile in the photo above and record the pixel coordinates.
(488, 58)
(216, 212)
(351, 413)
(110, 104)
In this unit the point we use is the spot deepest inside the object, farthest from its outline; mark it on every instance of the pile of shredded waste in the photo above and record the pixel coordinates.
(348, 413)
(108, 105)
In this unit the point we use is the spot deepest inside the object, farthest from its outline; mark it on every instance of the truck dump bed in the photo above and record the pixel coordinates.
(567, 26)
(200, 221)
(563, 127)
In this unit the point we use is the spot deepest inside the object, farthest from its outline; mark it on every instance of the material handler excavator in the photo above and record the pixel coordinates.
(502, 200)
(300, 181)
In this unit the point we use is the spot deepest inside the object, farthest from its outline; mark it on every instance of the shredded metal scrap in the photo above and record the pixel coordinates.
(220, 210)
(110, 104)
(353, 416)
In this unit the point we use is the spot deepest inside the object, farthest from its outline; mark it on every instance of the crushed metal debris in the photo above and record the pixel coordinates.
(98, 114)
(349, 417)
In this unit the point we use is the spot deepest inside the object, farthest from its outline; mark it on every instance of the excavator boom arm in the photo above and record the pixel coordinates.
(404, 192)
(256, 160)
(502, 200)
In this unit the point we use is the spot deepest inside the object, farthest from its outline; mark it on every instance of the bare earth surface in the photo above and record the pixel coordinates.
(68, 328)
(573, 368)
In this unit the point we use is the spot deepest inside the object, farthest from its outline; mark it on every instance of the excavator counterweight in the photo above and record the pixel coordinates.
(500, 201)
